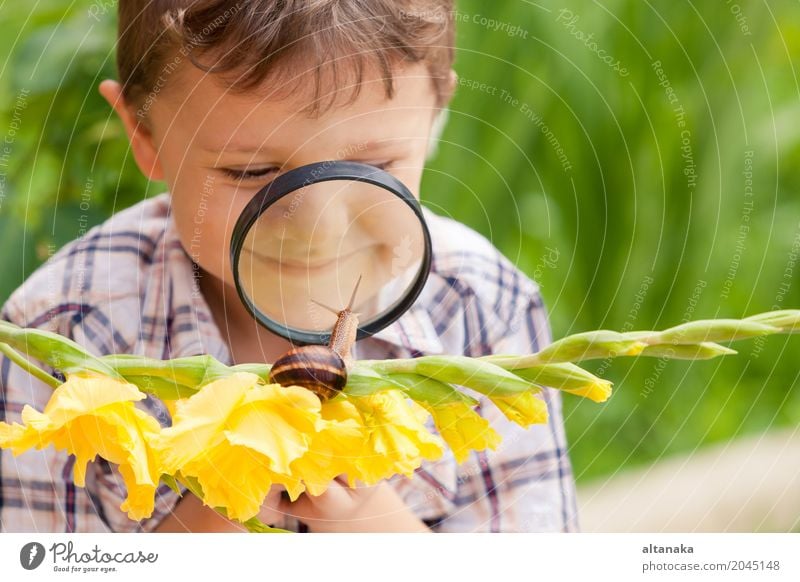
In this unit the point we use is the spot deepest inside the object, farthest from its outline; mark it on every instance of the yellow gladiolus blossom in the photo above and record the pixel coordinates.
(397, 439)
(524, 408)
(596, 391)
(238, 437)
(463, 429)
(90, 415)
(335, 450)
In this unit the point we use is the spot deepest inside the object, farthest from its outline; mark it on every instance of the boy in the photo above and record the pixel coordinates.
(217, 98)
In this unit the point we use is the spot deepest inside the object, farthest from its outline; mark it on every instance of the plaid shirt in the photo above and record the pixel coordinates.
(128, 286)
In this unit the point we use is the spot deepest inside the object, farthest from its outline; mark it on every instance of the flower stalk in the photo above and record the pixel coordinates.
(234, 434)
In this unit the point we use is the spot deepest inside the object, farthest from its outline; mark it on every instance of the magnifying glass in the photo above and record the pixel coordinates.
(315, 235)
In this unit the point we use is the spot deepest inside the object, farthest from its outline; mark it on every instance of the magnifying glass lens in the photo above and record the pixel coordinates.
(302, 254)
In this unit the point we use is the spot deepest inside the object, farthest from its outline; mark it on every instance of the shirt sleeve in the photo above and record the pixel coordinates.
(526, 485)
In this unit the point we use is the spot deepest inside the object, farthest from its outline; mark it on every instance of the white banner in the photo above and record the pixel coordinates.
(413, 557)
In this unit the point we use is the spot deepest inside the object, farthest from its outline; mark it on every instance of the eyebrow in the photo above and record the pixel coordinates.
(347, 151)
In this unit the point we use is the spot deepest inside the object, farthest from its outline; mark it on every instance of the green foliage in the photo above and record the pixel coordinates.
(623, 228)
(67, 165)
(638, 246)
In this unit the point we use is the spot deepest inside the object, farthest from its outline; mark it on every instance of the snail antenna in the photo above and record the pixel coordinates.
(353, 296)
(349, 305)
(331, 309)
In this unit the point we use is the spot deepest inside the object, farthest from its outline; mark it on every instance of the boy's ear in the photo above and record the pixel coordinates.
(452, 81)
(440, 118)
(144, 149)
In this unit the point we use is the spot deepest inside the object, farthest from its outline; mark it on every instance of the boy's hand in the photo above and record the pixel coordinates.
(343, 509)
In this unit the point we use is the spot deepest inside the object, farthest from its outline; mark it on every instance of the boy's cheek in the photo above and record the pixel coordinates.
(205, 215)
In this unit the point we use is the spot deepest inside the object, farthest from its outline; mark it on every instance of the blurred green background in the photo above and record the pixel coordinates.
(564, 145)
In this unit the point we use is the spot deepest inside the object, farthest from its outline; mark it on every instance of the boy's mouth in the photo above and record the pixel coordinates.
(303, 267)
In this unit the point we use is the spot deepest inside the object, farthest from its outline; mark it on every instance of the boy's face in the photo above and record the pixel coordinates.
(215, 149)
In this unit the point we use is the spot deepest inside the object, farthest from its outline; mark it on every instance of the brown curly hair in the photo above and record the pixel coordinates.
(246, 41)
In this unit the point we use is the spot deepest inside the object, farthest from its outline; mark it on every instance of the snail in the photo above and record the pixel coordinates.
(321, 369)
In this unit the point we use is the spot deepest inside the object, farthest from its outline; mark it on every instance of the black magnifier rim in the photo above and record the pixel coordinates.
(305, 176)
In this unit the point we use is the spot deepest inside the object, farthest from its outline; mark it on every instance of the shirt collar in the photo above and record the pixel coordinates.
(413, 331)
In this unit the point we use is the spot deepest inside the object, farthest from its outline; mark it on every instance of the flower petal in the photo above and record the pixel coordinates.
(524, 408)
(463, 429)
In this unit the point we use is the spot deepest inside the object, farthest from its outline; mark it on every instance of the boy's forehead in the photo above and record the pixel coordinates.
(222, 118)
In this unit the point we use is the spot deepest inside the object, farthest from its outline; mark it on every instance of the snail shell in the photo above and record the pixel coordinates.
(321, 369)
(317, 368)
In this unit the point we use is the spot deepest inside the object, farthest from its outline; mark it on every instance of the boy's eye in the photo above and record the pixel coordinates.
(262, 172)
(248, 174)
(381, 165)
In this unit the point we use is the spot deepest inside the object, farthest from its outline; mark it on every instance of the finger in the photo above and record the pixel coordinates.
(269, 512)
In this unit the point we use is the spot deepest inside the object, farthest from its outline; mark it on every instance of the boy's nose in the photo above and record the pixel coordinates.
(316, 219)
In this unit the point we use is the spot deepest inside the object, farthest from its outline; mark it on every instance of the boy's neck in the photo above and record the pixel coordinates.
(247, 341)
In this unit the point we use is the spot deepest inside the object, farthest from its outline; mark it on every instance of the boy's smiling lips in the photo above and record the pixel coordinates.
(300, 267)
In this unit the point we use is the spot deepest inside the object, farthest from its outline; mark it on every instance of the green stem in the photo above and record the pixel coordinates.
(34, 371)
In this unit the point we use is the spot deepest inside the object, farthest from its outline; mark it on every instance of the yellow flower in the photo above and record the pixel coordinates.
(596, 391)
(238, 437)
(463, 429)
(334, 450)
(523, 408)
(397, 439)
(91, 415)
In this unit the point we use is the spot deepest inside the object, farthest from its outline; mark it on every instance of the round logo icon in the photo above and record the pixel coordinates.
(31, 555)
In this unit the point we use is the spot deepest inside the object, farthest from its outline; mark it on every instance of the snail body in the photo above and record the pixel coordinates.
(321, 369)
